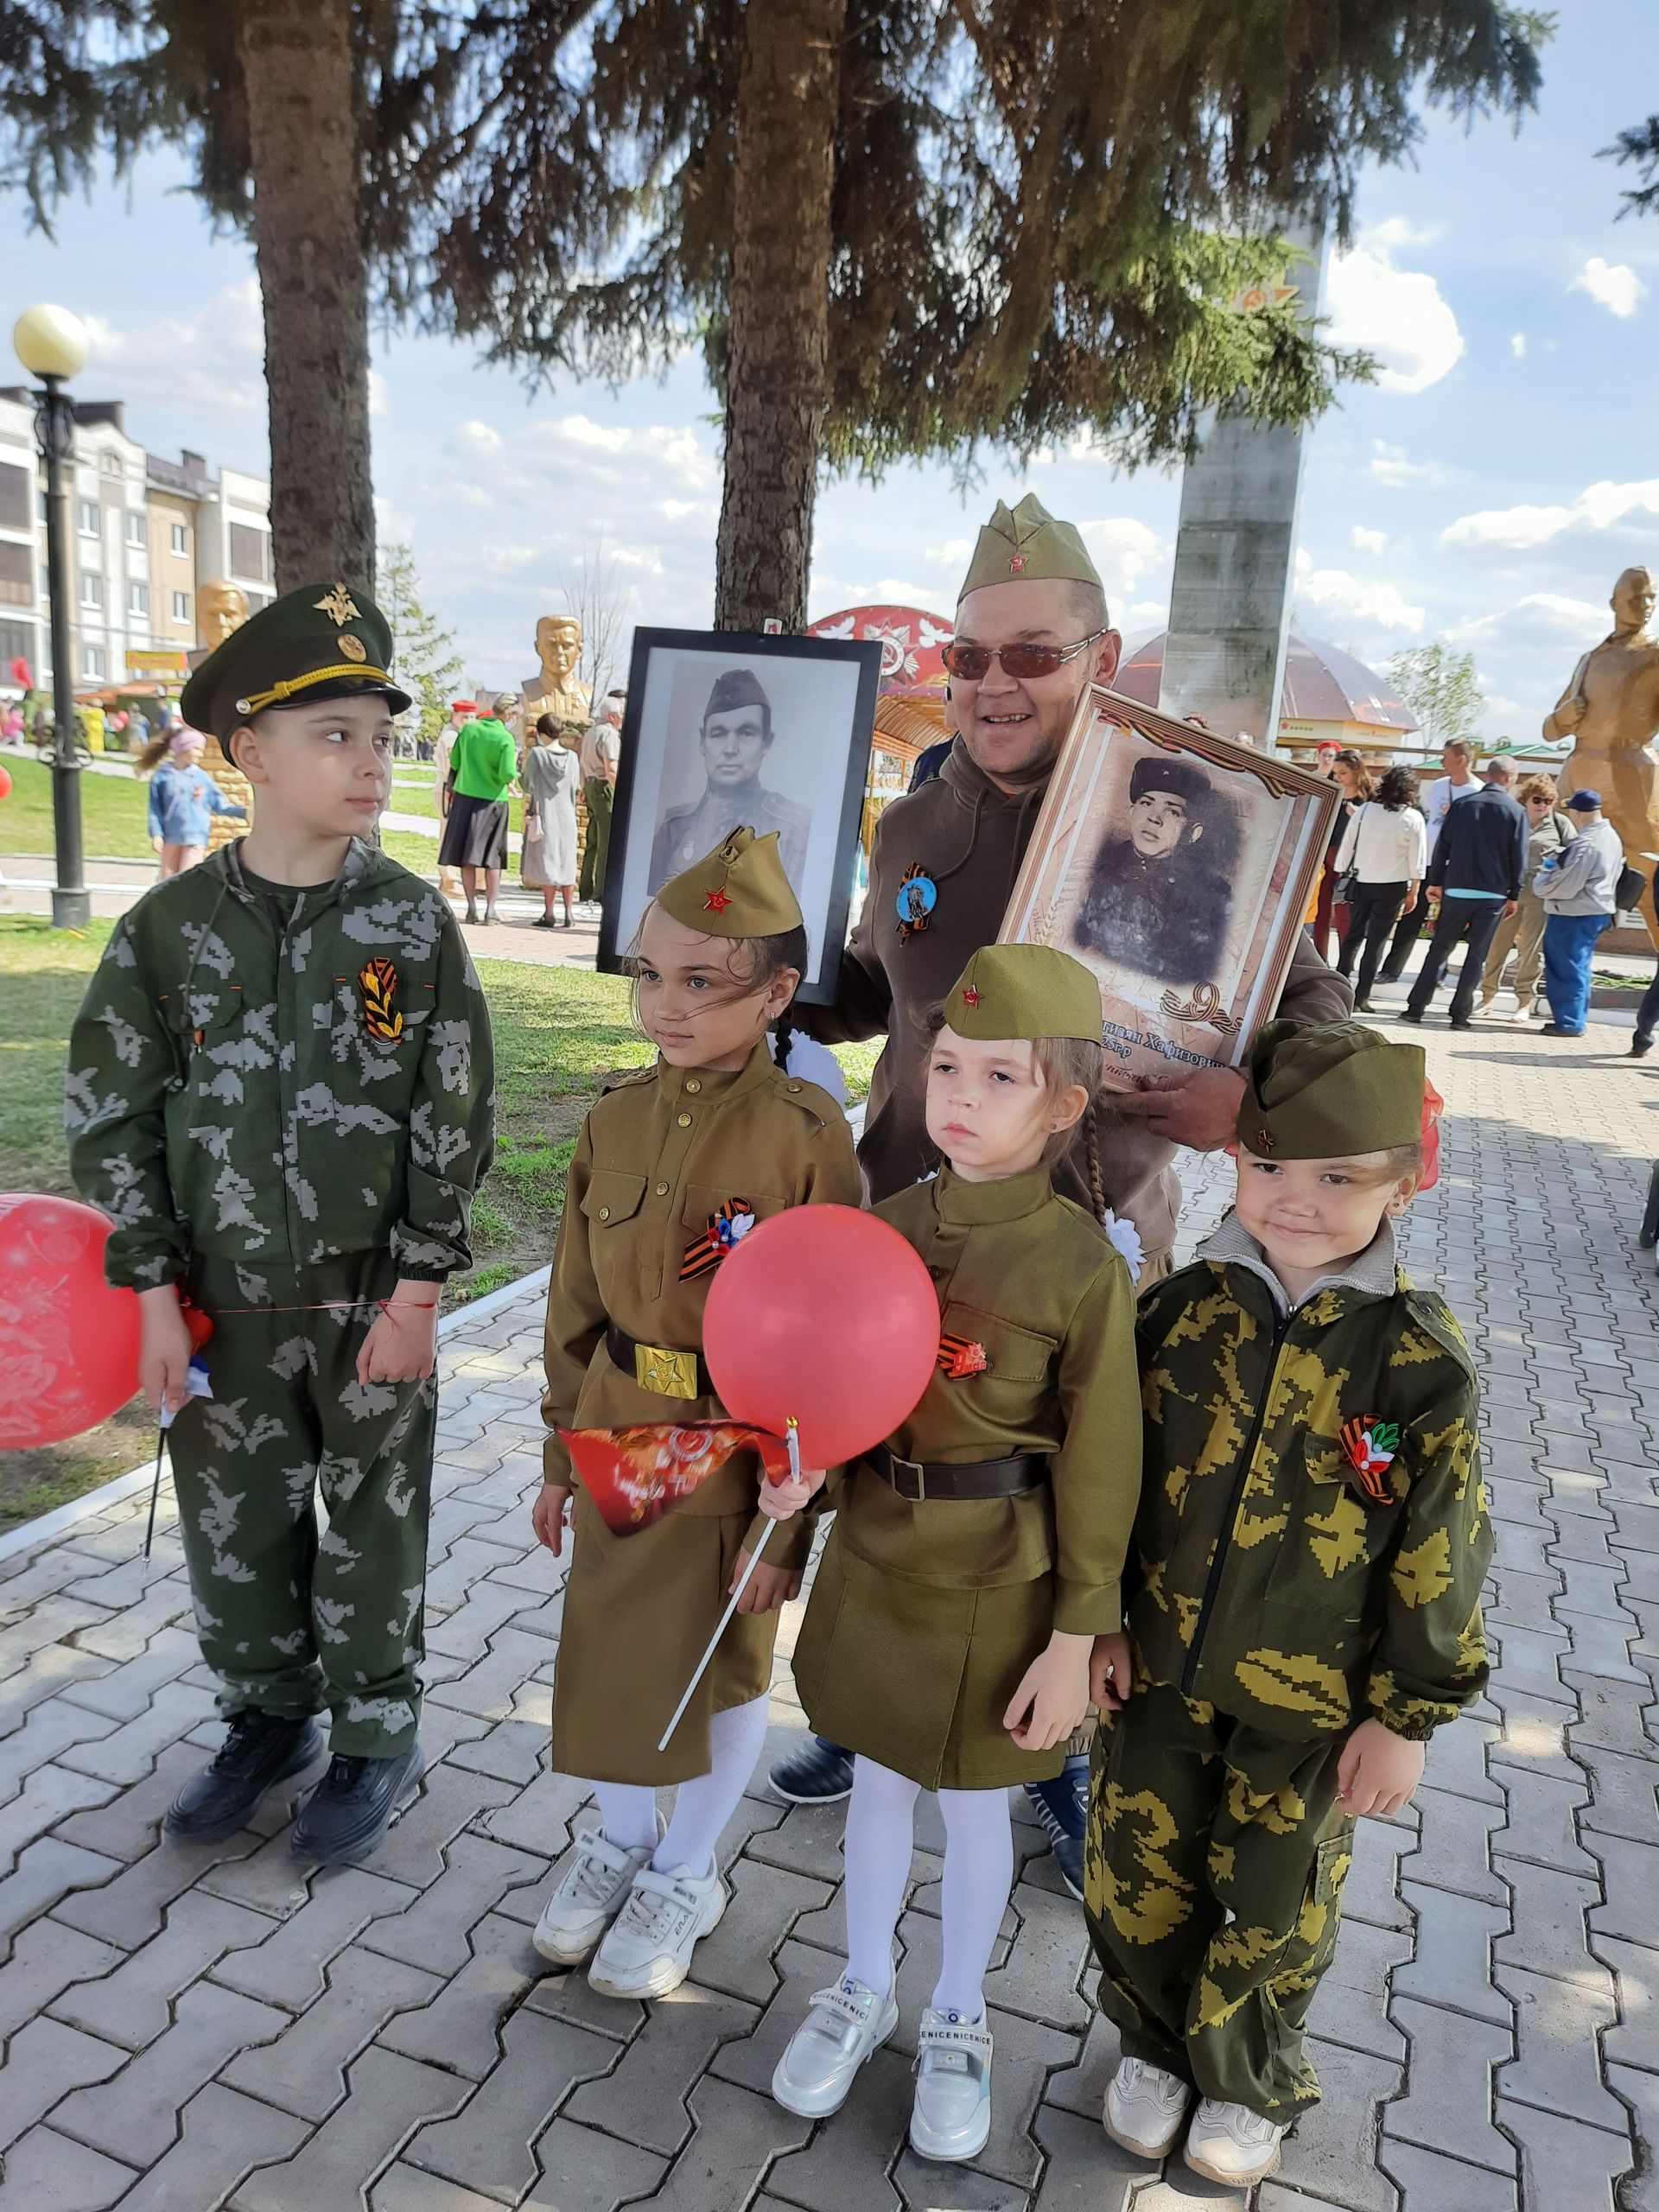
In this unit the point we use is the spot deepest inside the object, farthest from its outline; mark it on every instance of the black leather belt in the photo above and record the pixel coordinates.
(653, 1367)
(921, 1480)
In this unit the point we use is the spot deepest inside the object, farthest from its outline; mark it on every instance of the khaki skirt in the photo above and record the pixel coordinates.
(917, 1676)
(639, 1611)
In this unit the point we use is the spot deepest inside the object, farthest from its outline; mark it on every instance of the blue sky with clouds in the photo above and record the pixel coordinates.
(1487, 489)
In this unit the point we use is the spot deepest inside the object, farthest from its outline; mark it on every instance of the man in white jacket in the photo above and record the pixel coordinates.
(1578, 886)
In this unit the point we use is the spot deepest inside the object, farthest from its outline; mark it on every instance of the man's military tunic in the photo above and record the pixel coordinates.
(686, 833)
(658, 1158)
(968, 838)
(925, 1616)
(283, 1099)
(1278, 1597)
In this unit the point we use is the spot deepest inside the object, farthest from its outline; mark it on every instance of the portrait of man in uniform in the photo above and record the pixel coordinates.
(730, 730)
(1158, 901)
(734, 737)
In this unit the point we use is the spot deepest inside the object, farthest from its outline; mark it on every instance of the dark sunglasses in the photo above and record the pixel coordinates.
(967, 663)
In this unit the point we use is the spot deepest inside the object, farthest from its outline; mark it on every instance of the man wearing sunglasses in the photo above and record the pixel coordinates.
(1032, 634)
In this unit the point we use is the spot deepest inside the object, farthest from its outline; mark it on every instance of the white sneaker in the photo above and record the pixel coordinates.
(950, 2118)
(592, 1891)
(1230, 2142)
(647, 1948)
(1144, 2108)
(845, 2024)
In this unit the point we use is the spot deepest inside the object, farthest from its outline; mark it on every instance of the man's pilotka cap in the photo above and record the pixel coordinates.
(326, 641)
(1327, 1090)
(1026, 544)
(1023, 990)
(738, 890)
(736, 688)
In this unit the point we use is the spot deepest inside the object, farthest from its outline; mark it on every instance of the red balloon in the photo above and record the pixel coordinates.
(5, 783)
(823, 1315)
(68, 1343)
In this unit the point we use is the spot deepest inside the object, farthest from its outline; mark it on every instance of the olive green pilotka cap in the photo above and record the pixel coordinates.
(326, 641)
(1327, 1090)
(1026, 544)
(738, 890)
(1025, 990)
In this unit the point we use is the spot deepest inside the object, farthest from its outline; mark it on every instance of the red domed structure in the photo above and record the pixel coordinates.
(1327, 694)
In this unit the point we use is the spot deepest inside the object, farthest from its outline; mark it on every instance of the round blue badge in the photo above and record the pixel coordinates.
(918, 896)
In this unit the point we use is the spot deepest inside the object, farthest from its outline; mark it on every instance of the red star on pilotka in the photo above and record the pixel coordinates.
(716, 902)
(1016, 561)
(969, 995)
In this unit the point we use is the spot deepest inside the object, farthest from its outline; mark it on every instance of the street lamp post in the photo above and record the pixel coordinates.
(52, 345)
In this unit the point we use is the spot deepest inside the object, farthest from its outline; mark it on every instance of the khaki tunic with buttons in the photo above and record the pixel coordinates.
(925, 1616)
(656, 1157)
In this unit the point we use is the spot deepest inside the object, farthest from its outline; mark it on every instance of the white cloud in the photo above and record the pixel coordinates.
(1518, 345)
(1395, 232)
(211, 363)
(1389, 465)
(1520, 530)
(1334, 591)
(379, 398)
(1396, 314)
(1123, 550)
(1612, 285)
(1540, 611)
(953, 555)
(1369, 541)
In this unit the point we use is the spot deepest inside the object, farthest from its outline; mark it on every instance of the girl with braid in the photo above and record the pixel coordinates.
(976, 1554)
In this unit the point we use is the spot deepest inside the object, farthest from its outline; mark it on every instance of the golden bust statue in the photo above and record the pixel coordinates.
(1612, 707)
(221, 609)
(558, 648)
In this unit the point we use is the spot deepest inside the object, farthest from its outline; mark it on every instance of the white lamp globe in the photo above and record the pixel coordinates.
(50, 341)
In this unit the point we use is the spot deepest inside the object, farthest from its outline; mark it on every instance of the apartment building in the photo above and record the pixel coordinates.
(144, 535)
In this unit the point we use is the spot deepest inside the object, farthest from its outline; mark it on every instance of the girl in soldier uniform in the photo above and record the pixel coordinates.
(975, 1554)
(671, 1166)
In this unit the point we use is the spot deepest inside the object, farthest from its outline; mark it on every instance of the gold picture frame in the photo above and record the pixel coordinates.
(1177, 866)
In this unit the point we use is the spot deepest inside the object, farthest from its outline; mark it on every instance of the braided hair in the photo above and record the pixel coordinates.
(1065, 1064)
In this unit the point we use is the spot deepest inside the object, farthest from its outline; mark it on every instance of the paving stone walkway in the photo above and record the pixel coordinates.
(191, 2029)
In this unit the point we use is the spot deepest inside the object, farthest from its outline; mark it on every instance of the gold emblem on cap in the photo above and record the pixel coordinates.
(353, 648)
(339, 605)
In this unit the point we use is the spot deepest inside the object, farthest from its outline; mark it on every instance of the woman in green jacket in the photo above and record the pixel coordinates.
(482, 769)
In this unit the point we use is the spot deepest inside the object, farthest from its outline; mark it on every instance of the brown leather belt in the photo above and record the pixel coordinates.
(670, 1373)
(921, 1481)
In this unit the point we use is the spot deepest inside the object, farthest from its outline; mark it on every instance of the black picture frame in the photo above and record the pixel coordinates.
(830, 767)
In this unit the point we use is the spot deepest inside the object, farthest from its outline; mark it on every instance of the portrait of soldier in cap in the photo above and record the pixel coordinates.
(1158, 898)
(734, 736)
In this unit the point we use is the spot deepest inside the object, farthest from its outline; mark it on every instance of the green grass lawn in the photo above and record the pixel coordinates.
(558, 1033)
(114, 813)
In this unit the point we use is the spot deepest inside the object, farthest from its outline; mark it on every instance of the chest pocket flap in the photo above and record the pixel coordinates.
(1012, 1354)
(703, 1200)
(612, 1196)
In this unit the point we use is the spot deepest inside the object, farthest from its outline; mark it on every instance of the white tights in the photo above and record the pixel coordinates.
(628, 1810)
(978, 1878)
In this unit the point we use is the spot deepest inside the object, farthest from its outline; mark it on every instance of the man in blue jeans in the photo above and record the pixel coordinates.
(1579, 890)
(1474, 878)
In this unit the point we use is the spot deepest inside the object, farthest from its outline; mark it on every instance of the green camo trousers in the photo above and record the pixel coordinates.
(291, 1621)
(600, 799)
(1194, 1817)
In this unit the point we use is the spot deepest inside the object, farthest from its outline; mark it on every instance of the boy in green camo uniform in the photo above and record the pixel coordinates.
(1306, 1607)
(280, 1089)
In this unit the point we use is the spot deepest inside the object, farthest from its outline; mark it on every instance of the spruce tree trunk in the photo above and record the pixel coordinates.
(296, 64)
(787, 96)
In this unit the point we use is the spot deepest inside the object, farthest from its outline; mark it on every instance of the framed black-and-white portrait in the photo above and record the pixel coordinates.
(1178, 867)
(724, 729)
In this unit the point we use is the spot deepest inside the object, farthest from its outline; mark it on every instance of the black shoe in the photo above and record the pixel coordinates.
(1462, 1021)
(1362, 1006)
(1640, 1047)
(820, 1773)
(544, 922)
(1554, 1029)
(1062, 1806)
(471, 915)
(351, 1809)
(1406, 1014)
(259, 1751)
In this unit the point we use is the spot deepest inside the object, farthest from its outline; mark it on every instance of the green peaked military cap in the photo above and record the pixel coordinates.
(1026, 544)
(738, 890)
(1025, 990)
(1327, 1090)
(326, 641)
